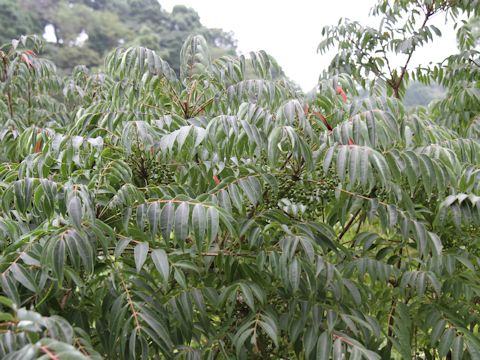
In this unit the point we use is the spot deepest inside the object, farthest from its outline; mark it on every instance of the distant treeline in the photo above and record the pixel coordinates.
(83, 31)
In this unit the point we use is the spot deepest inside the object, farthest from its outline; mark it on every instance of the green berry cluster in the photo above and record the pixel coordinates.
(308, 195)
(162, 174)
(149, 170)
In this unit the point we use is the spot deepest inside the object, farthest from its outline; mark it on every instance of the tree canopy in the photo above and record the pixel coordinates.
(207, 213)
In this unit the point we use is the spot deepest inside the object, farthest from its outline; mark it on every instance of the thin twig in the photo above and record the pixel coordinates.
(349, 224)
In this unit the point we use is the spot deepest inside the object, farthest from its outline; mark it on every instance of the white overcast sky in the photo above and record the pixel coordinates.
(291, 30)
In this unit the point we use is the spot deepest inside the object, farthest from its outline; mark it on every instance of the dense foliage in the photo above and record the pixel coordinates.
(209, 216)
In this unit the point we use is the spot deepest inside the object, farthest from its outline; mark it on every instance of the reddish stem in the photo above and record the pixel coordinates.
(50, 354)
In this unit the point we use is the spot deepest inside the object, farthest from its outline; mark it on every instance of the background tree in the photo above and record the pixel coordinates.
(16, 21)
(460, 74)
(107, 24)
(418, 94)
(367, 53)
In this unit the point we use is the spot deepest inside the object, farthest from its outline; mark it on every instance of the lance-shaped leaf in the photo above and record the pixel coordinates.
(140, 253)
(181, 222)
(75, 211)
(160, 260)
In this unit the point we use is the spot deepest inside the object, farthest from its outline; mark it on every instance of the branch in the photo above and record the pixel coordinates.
(132, 307)
(397, 84)
(369, 57)
(228, 253)
(391, 319)
(349, 224)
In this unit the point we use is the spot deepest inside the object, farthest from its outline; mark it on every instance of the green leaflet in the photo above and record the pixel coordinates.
(140, 254)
